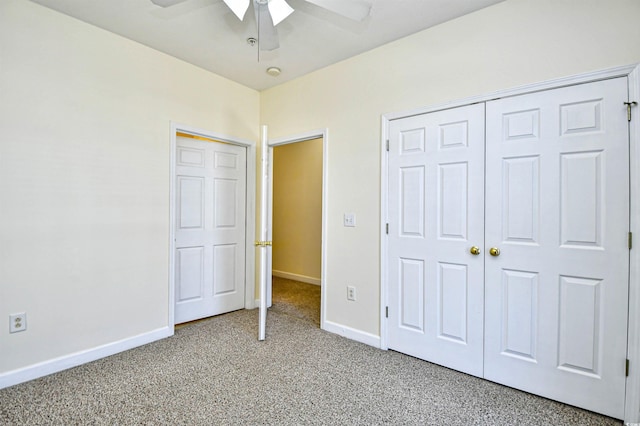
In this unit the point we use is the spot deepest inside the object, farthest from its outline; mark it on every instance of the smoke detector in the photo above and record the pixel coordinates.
(274, 71)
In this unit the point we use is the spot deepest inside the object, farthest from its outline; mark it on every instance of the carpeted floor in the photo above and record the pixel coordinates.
(215, 372)
(297, 299)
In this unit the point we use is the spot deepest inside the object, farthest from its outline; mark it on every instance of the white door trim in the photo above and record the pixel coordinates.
(632, 407)
(301, 137)
(249, 300)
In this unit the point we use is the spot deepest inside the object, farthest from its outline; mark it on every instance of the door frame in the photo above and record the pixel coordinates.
(302, 137)
(250, 214)
(632, 72)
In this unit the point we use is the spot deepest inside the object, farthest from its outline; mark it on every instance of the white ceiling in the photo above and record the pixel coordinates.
(207, 34)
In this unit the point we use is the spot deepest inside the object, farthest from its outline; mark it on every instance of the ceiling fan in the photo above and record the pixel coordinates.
(270, 13)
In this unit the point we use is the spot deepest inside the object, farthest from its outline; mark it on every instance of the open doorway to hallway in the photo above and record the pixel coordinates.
(297, 229)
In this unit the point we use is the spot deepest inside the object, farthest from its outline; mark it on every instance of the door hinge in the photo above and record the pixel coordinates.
(629, 105)
(630, 242)
(386, 311)
(387, 227)
(626, 368)
(387, 145)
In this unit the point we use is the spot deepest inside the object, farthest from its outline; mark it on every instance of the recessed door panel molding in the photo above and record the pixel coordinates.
(412, 203)
(225, 160)
(521, 125)
(521, 200)
(580, 343)
(453, 302)
(519, 314)
(191, 202)
(190, 273)
(581, 117)
(412, 294)
(436, 213)
(452, 200)
(412, 141)
(454, 135)
(211, 212)
(192, 157)
(225, 266)
(582, 195)
(225, 196)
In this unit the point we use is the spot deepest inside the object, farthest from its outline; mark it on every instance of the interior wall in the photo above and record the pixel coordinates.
(510, 44)
(84, 178)
(297, 209)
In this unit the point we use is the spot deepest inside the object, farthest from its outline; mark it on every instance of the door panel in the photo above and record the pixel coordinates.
(452, 301)
(190, 273)
(557, 201)
(519, 316)
(191, 205)
(436, 188)
(210, 228)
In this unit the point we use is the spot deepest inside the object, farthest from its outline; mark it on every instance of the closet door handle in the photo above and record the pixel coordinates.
(494, 251)
(475, 250)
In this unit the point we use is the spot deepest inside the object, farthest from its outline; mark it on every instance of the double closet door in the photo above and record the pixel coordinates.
(508, 241)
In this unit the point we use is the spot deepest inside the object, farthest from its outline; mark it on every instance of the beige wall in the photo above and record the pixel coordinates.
(297, 208)
(509, 44)
(84, 178)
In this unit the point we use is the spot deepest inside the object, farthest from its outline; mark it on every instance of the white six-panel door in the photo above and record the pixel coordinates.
(210, 228)
(557, 208)
(436, 214)
(547, 312)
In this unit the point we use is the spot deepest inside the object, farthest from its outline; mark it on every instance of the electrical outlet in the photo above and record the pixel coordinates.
(351, 293)
(17, 322)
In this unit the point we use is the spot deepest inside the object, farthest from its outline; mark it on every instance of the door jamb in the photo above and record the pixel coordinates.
(301, 137)
(250, 215)
(632, 405)
(632, 72)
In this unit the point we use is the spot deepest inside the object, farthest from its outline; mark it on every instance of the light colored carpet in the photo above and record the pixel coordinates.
(215, 372)
(297, 299)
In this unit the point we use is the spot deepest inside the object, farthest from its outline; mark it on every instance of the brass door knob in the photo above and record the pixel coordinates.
(475, 250)
(494, 251)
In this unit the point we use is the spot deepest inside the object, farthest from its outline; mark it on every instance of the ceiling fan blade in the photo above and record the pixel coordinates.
(238, 7)
(267, 33)
(279, 10)
(166, 3)
(356, 10)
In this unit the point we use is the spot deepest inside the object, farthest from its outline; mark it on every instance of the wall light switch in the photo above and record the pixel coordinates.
(350, 219)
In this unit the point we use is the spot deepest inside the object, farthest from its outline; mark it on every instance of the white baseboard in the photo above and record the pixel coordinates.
(55, 365)
(297, 277)
(352, 333)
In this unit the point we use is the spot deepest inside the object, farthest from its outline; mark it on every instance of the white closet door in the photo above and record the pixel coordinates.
(210, 228)
(436, 190)
(557, 208)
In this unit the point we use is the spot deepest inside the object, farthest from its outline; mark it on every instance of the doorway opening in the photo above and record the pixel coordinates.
(297, 223)
(297, 229)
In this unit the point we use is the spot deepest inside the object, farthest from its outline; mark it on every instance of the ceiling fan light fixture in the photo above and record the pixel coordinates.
(274, 71)
(238, 7)
(279, 10)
